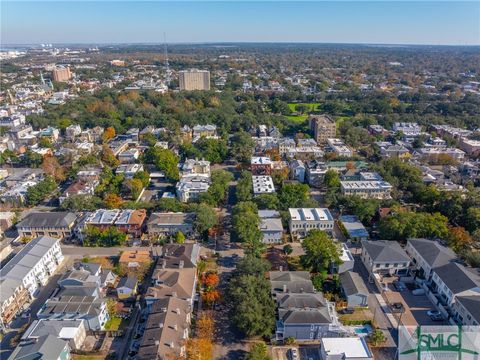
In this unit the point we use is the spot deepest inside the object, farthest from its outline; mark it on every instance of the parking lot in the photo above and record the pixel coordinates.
(416, 307)
(306, 352)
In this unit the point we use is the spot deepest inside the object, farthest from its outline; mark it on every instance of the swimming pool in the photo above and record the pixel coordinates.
(363, 330)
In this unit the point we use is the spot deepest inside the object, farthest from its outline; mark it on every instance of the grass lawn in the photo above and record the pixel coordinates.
(340, 120)
(312, 106)
(294, 263)
(113, 324)
(297, 118)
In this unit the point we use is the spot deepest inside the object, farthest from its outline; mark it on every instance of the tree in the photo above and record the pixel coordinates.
(179, 238)
(164, 160)
(377, 337)
(320, 251)
(472, 219)
(404, 225)
(267, 201)
(253, 309)
(206, 218)
(144, 177)
(112, 201)
(108, 134)
(293, 195)
(81, 203)
(112, 308)
(45, 142)
(52, 167)
(241, 146)
(201, 346)
(287, 249)
(251, 265)
(244, 186)
(108, 237)
(108, 157)
(218, 188)
(40, 191)
(31, 159)
(332, 179)
(459, 239)
(258, 351)
(211, 296)
(173, 205)
(134, 187)
(210, 280)
(246, 229)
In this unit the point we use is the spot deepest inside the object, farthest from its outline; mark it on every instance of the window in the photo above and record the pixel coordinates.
(312, 335)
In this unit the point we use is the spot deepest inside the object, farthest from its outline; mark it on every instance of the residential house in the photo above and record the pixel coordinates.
(44, 347)
(53, 224)
(297, 170)
(261, 165)
(384, 257)
(353, 228)
(354, 289)
(207, 131)
(177, 282)
(166, 330)
(127, 287)
(175, 254)
(367, 189)
(196, 167)
(169, 223)
(79, 187)
(72, 331)
(338, 147)
(129, 170)
(190, 187)
(344, 348)
(271, 226)
(302, 220)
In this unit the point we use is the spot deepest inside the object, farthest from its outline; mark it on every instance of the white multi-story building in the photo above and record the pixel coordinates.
(367, 189)
(22, 276)
(408, 129)
(262, 184)
(302, 220)
(191, 186)
(338, 147)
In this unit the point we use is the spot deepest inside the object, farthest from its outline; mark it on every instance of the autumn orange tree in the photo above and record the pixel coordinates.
(108, 134)
(210, 280)
(52, 167)
(112, 201)
(210, 296)
(200, 347)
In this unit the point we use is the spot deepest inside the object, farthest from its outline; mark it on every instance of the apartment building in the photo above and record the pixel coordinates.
(61, 74)
(323, 128)
(262, 184)
(196, 167)
(434, 153)
(26, 272)
(261, 165)
(271, 226)
(302, 220)
(169, 223)
(366, 189)
(338, 147)
(44, 347)
(194, 79)
(384, 258)
(190, 187)
(408, 129)
(54, 224)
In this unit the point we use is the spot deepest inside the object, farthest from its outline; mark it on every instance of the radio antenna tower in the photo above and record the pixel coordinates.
(167, 67)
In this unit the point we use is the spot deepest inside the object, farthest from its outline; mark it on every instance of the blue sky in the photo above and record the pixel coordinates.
(387, 22)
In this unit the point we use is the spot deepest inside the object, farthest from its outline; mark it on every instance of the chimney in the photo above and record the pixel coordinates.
(164, 264)
(174, 294)
(157, 343)
(177, 310)
(172, 344)
(285, 288)
(181, 264)
(280, 268)
(175, 327)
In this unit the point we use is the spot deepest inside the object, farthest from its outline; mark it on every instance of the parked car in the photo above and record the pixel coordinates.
(418, 292)
(294, 354)
(438, 317)
(399, 285)
(347, 311)
(433, 312)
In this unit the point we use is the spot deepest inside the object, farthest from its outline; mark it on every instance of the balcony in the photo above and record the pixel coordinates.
(15, 306)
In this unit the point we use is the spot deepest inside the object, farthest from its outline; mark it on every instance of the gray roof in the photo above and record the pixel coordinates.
(293, 281)
(50, 327)
(353, 284)
(385, 251)
(301, 300)
(92, 268)
(48, 220)
(472, 304)
(27, 258)
(271, 224)
(45, 347)
(128, 282)
(305, 316)
(71, 305)
(457, 277)
(170, 218)
(432, 252)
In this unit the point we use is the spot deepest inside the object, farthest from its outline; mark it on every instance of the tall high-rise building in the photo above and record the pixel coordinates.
(194, 80)
(61, 73)
(323, 128)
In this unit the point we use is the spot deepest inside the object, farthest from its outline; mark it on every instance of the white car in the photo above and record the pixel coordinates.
(294, 354)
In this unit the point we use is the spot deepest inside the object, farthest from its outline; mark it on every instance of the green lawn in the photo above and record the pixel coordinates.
(312, 106)
(297, 118)
(339, 120)
(113, 324)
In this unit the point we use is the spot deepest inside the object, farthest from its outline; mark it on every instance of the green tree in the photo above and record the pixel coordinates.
(404, 225)
(134, 187)
(244, 186)
(258, 351)
(253, 309)
(108, 237)
(320, 251)
(31, 159)
(241, 146)
(377, 337)
(164, 160)
(293, 195)
(206, 218)
(332, 179)
(107, 156)
(179, 237)
(250, 265)
(267, 201)
(39, 192)
(287, 249)
(82, 203)
(144, 177)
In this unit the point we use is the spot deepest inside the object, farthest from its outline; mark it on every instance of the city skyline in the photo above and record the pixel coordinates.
(350, 22)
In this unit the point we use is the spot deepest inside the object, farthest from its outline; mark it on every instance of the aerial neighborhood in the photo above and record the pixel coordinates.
(235, 203)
